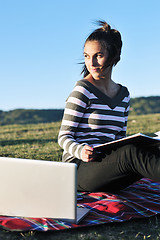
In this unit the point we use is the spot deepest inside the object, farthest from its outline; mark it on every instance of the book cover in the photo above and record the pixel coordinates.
(137, 139)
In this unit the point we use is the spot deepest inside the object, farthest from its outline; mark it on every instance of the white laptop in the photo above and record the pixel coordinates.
(39, 189)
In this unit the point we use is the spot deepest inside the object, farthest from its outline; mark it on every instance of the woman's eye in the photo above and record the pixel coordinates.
(86, 56)
(99, 55)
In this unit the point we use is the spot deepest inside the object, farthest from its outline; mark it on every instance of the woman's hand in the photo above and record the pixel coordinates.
(87, 154)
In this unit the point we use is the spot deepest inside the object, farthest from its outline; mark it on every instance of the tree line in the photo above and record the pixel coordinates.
(139, 106)
(145, 105)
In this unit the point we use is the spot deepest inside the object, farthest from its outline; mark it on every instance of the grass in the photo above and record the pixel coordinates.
(35, 141)
(39, 141)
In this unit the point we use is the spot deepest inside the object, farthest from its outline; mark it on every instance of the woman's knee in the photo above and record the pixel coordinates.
(87, 183)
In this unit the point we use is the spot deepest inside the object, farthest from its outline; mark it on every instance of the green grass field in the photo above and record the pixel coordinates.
(39, 141)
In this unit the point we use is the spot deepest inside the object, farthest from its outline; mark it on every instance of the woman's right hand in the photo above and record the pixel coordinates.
(87, 154)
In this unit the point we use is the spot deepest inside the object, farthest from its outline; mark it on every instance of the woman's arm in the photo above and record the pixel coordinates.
(75, 107)
(122, 133)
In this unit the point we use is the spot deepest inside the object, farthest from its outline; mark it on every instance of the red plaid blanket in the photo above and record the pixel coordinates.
(140, 200)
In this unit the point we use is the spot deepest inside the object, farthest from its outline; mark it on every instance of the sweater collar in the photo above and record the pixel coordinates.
(111, 102)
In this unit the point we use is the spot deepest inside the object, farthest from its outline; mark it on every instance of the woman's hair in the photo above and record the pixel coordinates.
(110, 39)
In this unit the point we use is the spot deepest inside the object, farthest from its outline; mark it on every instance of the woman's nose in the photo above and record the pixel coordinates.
(93, 61)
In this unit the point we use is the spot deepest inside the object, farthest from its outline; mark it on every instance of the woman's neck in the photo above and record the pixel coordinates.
(105, 85)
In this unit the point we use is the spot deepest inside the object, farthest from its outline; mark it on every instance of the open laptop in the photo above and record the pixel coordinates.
(39, 189)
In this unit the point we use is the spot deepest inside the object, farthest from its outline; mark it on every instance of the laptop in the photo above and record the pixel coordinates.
(39, 189)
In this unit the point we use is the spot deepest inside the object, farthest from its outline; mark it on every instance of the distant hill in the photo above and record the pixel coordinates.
(145, 105)
(139, 106)
(25, 116)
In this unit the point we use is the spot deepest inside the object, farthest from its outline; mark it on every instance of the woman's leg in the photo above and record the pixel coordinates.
(118, 169)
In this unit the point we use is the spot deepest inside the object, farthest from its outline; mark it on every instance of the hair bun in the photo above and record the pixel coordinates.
(104, 26)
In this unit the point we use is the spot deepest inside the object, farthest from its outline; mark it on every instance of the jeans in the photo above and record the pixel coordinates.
(117, 169)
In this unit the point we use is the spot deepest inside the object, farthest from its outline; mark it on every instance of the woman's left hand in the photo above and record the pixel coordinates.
(88, 154)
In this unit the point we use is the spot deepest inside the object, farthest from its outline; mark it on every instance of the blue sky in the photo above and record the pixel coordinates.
(41, 45)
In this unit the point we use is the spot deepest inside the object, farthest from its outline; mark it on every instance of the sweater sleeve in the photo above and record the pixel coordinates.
(122, 133)
(73, 113)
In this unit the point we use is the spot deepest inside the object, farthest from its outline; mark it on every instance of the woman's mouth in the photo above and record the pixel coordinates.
(95, 69)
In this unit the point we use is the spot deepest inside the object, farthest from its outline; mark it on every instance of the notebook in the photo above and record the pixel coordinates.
(39, 189)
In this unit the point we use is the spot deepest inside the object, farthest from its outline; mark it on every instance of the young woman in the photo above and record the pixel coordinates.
(96, 112)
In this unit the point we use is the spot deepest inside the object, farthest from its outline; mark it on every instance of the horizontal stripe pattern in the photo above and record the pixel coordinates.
(90, 117)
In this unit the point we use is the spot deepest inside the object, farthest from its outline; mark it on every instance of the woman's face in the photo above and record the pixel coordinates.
(95, 59)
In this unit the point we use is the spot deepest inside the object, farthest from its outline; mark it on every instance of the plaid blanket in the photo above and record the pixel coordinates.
(140, 200)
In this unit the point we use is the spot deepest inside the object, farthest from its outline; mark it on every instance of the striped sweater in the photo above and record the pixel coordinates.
(92, 118)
